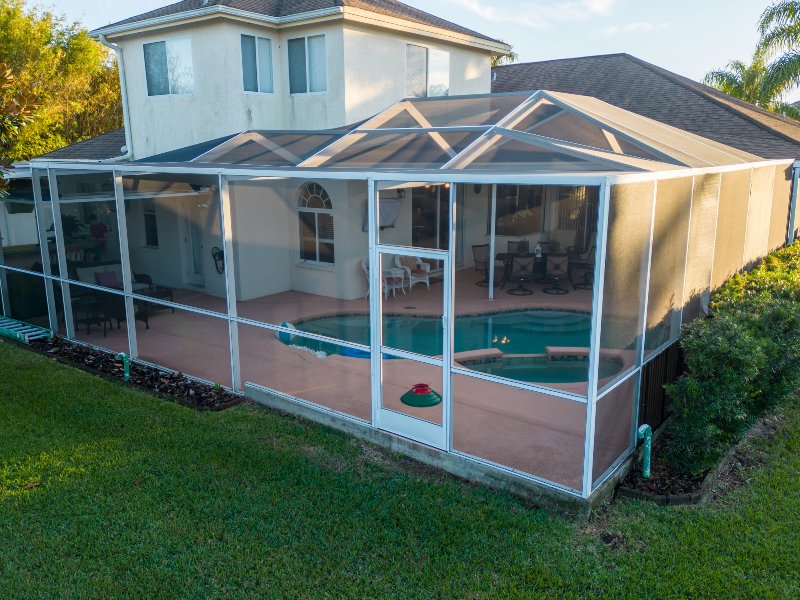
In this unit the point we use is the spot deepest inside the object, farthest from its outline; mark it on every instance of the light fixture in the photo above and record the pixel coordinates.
(401, 194)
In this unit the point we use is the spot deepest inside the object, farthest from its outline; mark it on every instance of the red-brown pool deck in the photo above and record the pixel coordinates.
(527, 431)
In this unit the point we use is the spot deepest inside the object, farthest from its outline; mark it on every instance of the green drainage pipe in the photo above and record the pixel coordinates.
(126, 364)
(646, 433)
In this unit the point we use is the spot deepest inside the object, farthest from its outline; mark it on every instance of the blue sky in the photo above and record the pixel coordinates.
(689, 37)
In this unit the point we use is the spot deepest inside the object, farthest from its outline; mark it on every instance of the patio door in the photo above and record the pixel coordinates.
(195, 215)
(415, 341)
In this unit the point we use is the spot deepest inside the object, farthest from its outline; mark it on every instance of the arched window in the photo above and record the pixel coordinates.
(315, 212)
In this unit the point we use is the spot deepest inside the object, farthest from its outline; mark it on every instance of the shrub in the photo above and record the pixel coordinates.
(711, 402)
(739, 364)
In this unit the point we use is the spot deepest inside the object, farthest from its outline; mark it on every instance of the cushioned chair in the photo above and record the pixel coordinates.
(415, 270)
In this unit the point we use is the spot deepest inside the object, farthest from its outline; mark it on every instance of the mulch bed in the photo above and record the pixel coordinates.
(171, 385)
(663, 481)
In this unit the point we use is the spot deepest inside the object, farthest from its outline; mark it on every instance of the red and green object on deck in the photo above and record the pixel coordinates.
(421, 395)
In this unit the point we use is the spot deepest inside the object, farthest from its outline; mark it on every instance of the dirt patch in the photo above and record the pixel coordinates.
(175, 386)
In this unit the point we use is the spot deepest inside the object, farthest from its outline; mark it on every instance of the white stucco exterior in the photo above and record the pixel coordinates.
(366, 67)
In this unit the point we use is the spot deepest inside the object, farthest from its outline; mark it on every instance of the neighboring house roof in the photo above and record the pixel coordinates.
(102, 147)
(638, 86)
(281, 9)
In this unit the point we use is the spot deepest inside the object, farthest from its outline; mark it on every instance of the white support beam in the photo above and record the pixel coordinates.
(594, 348)
(125, 266)
(69, 323)
(226, 216)
(44, 251)
(492, 242)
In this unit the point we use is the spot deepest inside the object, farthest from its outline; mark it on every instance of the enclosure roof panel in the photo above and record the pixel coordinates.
(517, 133)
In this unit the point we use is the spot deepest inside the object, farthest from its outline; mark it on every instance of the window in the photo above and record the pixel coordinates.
(427, 72)
(519, 210)
(150, 223)
(315, 212)
(307, 65)
(257, 64)
(168, 67)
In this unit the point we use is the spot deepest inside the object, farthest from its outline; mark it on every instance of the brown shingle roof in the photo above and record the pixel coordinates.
(643, 88)
(102, 147)
(287, 8)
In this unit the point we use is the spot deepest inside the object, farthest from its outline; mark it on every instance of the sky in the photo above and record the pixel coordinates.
(689, 37)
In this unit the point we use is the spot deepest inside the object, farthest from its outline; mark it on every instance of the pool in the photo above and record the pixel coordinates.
(517, 332)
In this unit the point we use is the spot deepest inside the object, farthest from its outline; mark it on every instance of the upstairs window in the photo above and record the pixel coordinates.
(307, 65)
(257, 64)
(427, 72)
(315, 212)
(168, 67)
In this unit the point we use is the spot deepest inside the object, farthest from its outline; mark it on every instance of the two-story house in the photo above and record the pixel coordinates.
(305, 65)
(321, 204)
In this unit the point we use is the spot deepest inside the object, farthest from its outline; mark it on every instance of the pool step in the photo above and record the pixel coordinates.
(22, 332)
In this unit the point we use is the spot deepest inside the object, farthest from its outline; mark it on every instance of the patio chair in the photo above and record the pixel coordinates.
(415, 270)
(521, 271)
(392, 279)
(581, 261)
(481, 256)
(558, 267)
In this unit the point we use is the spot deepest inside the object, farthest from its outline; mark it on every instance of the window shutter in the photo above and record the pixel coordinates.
(249, 67)
(155, 67)
(416, 71)
(297, 66)
(318, 72)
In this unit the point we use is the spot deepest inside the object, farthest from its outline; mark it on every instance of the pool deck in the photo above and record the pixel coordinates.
(527, 431)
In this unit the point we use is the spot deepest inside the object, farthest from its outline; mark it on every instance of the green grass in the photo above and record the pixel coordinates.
(106, 492)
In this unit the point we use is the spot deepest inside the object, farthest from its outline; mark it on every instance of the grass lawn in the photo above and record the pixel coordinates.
(106, 492)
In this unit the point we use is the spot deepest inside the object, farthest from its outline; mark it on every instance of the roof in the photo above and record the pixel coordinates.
(103, 147)
(648, 90)
(531, 132)
(283, 9)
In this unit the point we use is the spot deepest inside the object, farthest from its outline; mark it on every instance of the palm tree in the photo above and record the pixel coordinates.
(759, 83)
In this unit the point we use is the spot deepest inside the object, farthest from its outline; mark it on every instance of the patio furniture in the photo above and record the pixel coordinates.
(481, 256)
(557, 270)
(87, 310)
(416, 271)
(522, 271)
(519, 247)
(581, 261)
(392, 279)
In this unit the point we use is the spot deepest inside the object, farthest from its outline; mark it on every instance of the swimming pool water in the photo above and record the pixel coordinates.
(519, 332)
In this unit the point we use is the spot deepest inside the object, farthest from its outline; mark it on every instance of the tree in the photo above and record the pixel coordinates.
(70, 77)
(15, 111)
(504, 59)
(760, 83)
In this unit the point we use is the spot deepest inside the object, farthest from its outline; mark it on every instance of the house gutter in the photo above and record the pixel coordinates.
(123, 88)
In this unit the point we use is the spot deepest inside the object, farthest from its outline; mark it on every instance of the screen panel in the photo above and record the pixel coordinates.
(759, 214)
(668, 261)
(734, 198)
(702, 234)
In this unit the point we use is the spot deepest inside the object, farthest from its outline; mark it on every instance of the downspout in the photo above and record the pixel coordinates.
(793, 203)
(123, 89)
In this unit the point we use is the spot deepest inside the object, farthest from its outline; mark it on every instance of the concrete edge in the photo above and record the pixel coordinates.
(530, 491)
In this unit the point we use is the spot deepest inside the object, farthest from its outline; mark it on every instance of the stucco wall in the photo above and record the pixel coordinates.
(266, 241)
(365, 69)
(375, 76)
(219, 106)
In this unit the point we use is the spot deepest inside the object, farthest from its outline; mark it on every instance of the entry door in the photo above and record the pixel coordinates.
(414, 396)
(194, 218)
